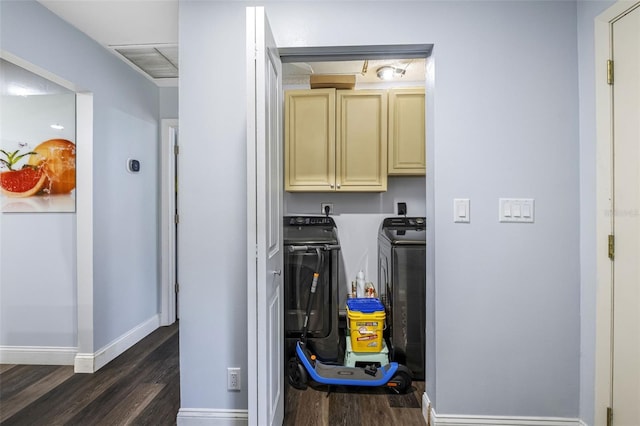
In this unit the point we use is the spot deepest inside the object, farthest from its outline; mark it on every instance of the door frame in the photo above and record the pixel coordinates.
(264, 250)
(321, 53)
(168, 261)
(604, 207)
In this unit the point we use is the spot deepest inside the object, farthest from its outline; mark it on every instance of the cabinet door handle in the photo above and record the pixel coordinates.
(338, 186)
(331, 186)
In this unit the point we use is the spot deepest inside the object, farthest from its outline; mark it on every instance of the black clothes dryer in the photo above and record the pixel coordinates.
(402, 288)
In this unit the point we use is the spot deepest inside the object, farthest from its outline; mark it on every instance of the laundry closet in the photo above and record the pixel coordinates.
(354, 155)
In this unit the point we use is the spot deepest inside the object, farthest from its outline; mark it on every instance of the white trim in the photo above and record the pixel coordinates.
(167, 222)
(167, 82)
(83, 363)
(604, 210)
(92, 362)
(462, 420)
(252, 242)
(37, 355)
(213, 417)
(37, 70)
(84, 223)
(471, 420)
(427, 409)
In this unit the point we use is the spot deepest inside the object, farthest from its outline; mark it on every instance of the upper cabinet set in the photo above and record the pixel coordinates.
(350, 140)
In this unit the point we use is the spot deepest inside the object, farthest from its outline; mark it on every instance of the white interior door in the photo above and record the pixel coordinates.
(626, 266)
(264, 223)
(169, 222)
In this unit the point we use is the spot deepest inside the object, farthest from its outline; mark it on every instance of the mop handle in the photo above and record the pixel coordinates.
(312, 292)
(314, 285)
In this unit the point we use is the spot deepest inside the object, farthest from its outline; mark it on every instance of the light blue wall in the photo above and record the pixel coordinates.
(212, 239)
(168, 102)
(507, 318)
(587, 11)
(125, 205)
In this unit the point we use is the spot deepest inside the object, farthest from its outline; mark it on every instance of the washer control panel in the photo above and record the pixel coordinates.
(309, 221)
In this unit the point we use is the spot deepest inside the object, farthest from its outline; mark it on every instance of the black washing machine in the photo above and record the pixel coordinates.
(302, 235)
(402, 288)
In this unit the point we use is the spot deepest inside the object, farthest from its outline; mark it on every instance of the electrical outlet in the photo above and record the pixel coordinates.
(323, 208)
(233, 379)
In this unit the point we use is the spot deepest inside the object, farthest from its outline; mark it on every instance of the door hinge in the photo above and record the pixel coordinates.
(177, 218)
(609, 71)
(612, 247)
(176, 150)
(177, 287)
(609, 416)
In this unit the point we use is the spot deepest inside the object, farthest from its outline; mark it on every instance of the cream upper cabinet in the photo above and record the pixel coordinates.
(336, 140)
(406, 154)
(309, 135)
(361, 140)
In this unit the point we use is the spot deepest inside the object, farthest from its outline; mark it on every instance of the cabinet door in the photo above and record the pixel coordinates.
(406, 132)
(361, 140)
(310, 140)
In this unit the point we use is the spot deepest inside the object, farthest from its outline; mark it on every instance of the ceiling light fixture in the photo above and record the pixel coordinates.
(57, 126)
(388, 72)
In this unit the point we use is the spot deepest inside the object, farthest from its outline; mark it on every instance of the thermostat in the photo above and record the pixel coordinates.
(133, 165)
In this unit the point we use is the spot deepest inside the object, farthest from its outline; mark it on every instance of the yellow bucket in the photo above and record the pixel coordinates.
(366, 324)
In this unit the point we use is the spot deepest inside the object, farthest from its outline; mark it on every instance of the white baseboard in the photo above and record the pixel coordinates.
(470, 420)
(212, 417)
(427, 410)
(37, 355)
(92, 362)
(83, 363)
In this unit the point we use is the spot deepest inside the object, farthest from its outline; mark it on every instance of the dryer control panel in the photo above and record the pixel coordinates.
(404, 222)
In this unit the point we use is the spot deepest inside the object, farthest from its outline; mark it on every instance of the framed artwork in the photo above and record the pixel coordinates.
(37, 143)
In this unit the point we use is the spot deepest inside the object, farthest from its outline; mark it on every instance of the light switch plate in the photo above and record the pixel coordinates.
(519, 210)
(461, 212)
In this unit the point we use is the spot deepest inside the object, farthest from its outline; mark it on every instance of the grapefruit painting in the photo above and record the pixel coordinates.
(42, 179)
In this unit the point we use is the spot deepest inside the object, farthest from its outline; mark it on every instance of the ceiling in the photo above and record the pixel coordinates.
(144, 34)
(143, 31)
(409, 70)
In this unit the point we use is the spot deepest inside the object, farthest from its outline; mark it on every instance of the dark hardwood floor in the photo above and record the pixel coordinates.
(348, 406)
(142, 387)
